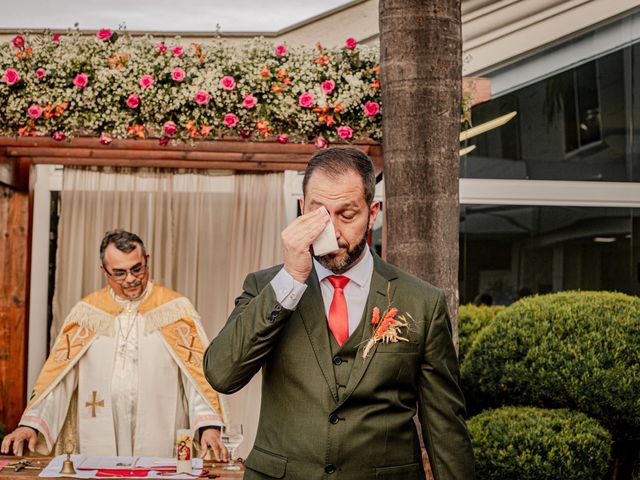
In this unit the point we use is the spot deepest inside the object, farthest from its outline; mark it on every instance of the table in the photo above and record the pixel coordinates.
(8, 474)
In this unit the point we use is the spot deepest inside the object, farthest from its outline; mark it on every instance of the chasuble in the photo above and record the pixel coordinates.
(123, 376)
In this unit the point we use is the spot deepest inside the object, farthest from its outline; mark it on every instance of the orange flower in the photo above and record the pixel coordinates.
(198, 51)
(205, 130)
(322, 60)
(281, 73)
(375, 85)
(376, 69)
(60, 108)
(338, 108)
(136, 131)
(375, 316)
(275, 88)
(263, 126)
(47, 111)
(264, 72)
(192, 129)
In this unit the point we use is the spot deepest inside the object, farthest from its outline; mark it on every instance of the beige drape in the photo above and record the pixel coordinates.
(204, 231)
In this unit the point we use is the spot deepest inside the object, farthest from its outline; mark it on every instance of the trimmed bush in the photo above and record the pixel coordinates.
(577, 350)
(526, 443)
(471, 320)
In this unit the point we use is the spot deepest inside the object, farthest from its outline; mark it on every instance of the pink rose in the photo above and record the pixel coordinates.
(58, 136)
(18, 41)
(35, 111)
(105, 138)
(345, 132)
(133, 101)
(81, 80)
(11, 76)
(371, 109)
(350, 43)
(40, 73)
(321, 142)
(55, 38)
(281, 51)
(170, 129)
(164, 141)
(146, 81)
(178, 75)
(104, 34)
(328, 86)
(306, 100)
(228, 83)
(249, 101)
(177, 51)
(283, 138)
(161, 47)
(230, 120)
(202, 97)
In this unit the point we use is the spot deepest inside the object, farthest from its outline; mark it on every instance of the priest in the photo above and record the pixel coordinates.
(125, 371)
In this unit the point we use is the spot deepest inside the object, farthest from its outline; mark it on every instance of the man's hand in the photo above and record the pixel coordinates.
(18, 436)
(210, 438)
(297, 239)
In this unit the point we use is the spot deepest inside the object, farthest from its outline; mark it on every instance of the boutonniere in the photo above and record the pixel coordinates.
(387, 327)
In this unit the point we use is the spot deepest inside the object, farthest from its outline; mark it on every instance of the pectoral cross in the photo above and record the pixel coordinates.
(94, 403)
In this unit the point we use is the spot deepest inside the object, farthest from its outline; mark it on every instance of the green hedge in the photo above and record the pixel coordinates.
(526, 443)
(577, 350)
(471, 320)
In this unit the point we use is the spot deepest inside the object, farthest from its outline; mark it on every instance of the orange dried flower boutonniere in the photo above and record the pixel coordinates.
(387, 328)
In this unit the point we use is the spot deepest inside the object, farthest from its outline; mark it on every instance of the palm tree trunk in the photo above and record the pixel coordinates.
(421, 77)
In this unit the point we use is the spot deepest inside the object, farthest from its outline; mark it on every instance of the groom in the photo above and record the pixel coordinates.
(339, 388)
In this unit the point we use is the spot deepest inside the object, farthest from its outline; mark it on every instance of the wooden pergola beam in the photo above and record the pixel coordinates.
(18, 154)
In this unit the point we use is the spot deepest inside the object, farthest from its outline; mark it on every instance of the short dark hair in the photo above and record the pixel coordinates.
(123, 241)
(337, 161)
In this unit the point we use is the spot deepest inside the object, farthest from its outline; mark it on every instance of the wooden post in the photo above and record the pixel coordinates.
(14, 278)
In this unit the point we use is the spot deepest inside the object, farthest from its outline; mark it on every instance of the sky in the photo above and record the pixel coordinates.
(161, 15)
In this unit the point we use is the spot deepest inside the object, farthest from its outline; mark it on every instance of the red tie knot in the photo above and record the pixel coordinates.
(338, 281)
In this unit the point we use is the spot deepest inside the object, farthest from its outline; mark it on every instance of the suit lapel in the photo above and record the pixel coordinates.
(311, 310)
(381, 282)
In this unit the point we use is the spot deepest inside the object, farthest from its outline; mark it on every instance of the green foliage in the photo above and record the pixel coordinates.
(471, 320)
(526, 443)
(577, 350)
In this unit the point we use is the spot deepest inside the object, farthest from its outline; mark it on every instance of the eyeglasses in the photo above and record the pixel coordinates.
(120, 275)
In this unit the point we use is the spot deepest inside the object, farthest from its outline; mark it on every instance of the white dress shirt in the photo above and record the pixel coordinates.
(289, 291)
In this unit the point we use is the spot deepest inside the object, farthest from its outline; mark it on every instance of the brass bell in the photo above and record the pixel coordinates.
(67, 465)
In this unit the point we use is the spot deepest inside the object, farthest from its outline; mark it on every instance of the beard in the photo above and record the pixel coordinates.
(339, 266)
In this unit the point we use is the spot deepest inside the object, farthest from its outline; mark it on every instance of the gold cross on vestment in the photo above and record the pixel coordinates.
(94, 403)
(67, 348)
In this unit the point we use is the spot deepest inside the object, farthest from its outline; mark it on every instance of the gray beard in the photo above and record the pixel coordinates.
(328, 261)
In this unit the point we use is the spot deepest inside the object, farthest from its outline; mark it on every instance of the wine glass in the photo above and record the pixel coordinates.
(231, 437)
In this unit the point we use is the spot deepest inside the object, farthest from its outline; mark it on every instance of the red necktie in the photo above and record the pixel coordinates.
(338, 312)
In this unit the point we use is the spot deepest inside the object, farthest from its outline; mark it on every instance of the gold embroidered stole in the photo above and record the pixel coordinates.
(163, 310)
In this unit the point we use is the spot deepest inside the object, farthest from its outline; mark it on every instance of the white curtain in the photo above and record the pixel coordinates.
(204, 230)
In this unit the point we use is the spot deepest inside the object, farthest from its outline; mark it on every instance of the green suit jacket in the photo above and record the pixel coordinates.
(310, 430)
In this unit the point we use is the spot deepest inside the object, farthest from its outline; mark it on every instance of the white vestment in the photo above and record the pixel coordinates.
(131, 405)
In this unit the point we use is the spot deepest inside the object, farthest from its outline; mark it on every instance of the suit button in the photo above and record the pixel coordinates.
(337, 360)
(333, 418)
(329, 469)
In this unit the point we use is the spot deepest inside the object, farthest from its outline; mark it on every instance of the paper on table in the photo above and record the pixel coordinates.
(81, 461)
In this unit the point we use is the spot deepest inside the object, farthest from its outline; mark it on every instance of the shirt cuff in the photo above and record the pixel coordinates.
(287, 289)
